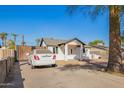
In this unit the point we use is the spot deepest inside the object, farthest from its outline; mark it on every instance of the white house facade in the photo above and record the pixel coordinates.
(72, 49)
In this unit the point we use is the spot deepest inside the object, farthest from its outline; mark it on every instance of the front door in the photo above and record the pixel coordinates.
(78, 53)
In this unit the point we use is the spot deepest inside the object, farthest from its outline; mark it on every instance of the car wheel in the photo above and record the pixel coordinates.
(54, 65)
(29, 63)
(32, 67)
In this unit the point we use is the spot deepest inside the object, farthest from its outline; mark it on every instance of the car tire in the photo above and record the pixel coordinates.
(29, 63)
(54, 65)
(32, 67)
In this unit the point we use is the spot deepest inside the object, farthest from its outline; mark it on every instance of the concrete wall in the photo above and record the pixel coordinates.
(3, 70)
(5, 67)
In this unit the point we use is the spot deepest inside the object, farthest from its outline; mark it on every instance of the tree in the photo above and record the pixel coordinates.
(3, 37)
(96, 42)
(38, 41)
(11, 44)
(115, 57)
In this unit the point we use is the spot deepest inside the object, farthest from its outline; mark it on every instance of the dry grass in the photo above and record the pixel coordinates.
(72, 62)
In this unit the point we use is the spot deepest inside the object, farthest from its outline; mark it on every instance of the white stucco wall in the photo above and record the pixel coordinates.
(50, 48)
(43, 44)
(75, 42)
(60, 55)
(88, 55)
(75, 56)
(71, 57)
(78, 50)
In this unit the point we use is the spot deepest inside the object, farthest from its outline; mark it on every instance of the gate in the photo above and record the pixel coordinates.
(22, 51)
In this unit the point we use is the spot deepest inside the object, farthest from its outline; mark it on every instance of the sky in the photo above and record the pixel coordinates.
(51, 21)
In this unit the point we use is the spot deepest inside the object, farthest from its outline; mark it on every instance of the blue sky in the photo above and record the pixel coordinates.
(51, 21)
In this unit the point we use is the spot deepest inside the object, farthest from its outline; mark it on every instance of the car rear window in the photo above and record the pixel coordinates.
(43, 51)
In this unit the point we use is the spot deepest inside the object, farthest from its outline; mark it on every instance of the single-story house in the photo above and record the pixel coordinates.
(71, 49)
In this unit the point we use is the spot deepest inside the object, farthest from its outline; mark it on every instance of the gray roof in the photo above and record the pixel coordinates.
(56, 42)
(52, 41)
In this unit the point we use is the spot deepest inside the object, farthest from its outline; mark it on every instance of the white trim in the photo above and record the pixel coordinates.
(66, 52)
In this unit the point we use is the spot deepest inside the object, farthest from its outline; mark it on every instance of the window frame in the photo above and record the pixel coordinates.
(71, 51)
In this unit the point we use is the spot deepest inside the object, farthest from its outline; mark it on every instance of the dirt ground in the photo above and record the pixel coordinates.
(70, 74)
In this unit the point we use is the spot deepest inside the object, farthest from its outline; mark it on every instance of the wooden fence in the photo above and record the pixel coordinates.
(23, 50)
(5, 53)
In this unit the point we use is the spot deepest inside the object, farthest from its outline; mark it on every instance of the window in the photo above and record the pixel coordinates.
(56, 50)
(71, 51)
(53, 49)
(84, 50)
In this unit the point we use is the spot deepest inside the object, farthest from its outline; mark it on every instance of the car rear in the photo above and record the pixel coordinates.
(42, 58)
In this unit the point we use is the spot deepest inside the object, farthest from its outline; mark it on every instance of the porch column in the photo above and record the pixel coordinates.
(81, 50)
(66, 52)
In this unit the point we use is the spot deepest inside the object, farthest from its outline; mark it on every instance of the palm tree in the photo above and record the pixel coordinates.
(115, 57)
(3, 36)
(38, 41)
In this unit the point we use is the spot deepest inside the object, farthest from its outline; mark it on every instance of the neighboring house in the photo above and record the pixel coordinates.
(96, 52)
(71, 49)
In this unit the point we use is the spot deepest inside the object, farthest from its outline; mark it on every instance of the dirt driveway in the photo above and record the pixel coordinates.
(71, 74)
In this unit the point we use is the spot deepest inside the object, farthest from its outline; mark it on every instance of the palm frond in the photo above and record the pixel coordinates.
(92, 11)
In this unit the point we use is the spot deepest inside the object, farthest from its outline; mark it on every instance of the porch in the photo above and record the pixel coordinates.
(73, 50)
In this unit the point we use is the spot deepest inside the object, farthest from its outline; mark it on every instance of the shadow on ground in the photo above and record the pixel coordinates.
(23, 63)
(14, 78)
(89, 66)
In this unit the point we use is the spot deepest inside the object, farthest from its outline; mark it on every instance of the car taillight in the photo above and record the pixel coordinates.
(36, 57)
(54, 57)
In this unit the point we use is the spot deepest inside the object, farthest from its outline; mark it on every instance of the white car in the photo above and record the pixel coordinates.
(41, 57)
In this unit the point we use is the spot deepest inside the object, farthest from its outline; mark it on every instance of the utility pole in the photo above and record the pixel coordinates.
(23, 42)
(14, 38)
